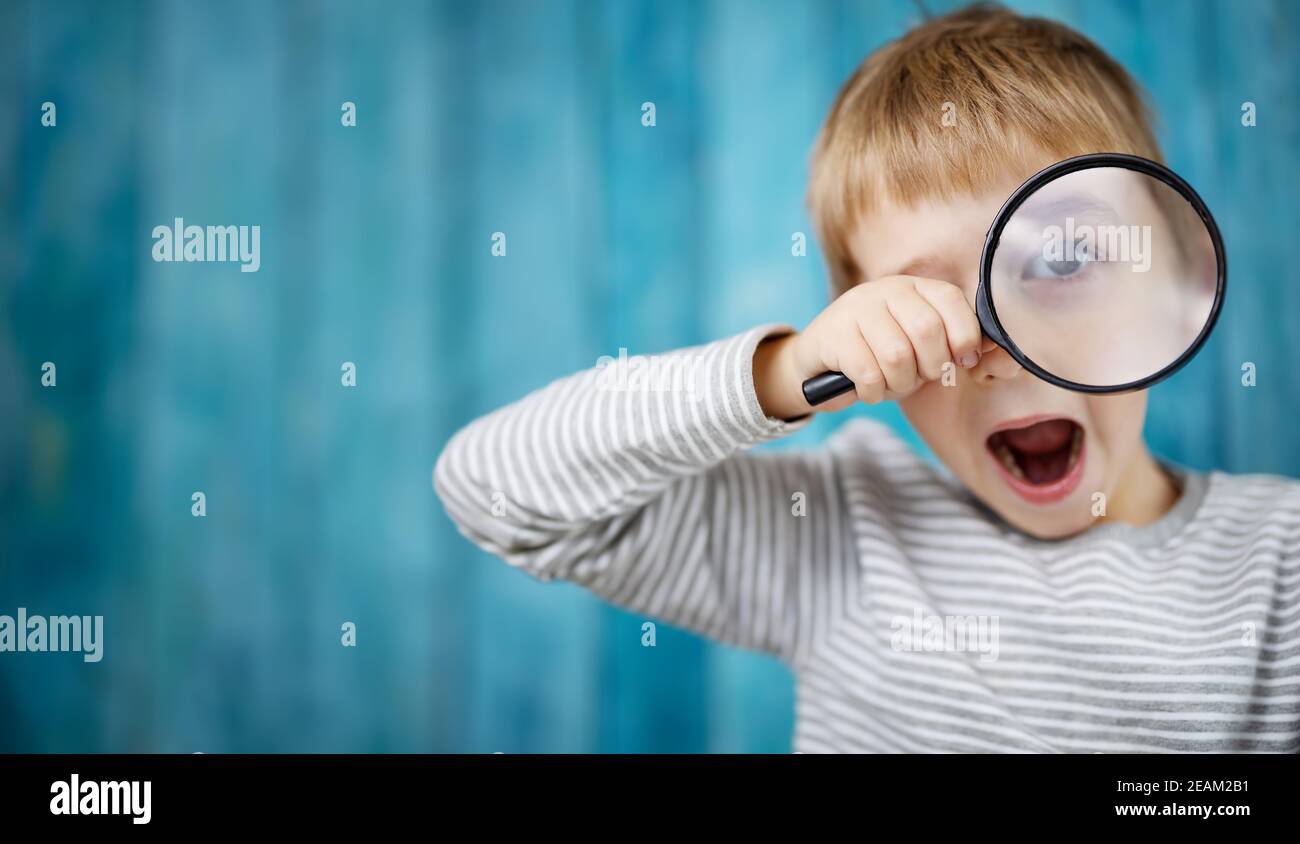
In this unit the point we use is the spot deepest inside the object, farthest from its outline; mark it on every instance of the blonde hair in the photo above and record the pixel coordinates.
(1011, 85)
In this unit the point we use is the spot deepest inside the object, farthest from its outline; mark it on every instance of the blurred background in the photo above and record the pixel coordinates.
(222, 633)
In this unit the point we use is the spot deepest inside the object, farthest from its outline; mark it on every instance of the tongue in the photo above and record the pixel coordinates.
(1042, 438)
(1044, 468)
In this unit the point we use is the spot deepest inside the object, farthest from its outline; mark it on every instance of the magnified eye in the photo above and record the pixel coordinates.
(1042, 267)
(1039, 267)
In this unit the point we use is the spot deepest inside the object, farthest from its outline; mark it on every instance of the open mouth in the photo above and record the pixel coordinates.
(1042, 461)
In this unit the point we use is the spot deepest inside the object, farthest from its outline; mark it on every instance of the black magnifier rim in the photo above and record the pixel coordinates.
(988, 315)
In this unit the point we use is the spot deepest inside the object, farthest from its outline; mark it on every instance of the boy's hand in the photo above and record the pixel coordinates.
(889, 336)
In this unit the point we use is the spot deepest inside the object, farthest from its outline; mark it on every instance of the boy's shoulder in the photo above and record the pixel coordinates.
(1252, 513)
(1259, 494)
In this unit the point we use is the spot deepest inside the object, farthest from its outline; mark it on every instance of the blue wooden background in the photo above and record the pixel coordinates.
(222, 633)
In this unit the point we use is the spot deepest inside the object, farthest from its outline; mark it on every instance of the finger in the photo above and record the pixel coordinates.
(965, 337)
(855, 360)
(892, 350)
(924, 328)
(871, 387)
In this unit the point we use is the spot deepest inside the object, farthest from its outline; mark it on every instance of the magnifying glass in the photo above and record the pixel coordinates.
(1103, 273)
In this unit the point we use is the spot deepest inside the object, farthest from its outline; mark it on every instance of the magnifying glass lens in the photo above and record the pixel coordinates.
(1104, 276)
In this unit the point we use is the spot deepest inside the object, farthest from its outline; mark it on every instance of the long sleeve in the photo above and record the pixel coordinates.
(631, 480)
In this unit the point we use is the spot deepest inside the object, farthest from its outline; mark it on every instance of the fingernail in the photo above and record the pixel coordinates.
(969, 359)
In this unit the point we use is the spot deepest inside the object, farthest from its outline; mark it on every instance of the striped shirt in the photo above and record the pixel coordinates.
(913, 618)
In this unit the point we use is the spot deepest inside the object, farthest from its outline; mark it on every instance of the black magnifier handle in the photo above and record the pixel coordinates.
(824, 387)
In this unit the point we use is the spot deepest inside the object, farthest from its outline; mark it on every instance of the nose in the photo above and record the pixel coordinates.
(994, 364)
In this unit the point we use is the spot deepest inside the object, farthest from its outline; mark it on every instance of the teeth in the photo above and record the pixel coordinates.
(1009, 461)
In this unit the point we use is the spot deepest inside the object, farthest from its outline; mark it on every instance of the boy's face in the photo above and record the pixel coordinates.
(1034, 453)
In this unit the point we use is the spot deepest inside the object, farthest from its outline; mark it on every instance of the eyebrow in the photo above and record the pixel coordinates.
(1075, 203)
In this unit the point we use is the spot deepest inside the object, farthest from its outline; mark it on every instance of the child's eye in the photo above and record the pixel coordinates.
(1039, 267)
(1043, 266)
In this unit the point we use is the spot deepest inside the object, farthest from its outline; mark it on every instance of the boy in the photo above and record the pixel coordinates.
(995, 607)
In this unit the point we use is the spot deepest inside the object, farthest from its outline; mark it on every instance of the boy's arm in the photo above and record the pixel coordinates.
(640, 494)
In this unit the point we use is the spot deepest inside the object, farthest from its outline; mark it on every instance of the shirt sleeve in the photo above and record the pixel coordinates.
(632, 479)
